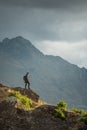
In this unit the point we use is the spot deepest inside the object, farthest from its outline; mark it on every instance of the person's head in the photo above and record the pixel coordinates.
(27, 73)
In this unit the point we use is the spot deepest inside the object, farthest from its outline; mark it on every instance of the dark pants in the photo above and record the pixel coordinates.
(27, 84)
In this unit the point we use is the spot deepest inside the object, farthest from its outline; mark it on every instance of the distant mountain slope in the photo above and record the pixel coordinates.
(51, 76)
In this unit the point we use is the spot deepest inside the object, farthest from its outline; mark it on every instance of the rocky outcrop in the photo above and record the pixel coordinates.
(4, 92)
(41, 118)
(29, 92)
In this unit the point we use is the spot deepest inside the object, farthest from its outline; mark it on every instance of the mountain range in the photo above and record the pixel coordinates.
(52, 77)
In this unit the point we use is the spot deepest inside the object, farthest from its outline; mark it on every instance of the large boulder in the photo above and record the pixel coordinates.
(3, 92)
(41, 118)
(29, 92)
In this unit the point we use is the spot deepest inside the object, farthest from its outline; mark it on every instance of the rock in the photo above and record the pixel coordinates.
(3, 92)
(30, 93)
(42, 118)
(83, 128)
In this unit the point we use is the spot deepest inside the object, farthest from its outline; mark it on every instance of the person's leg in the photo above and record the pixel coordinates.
(25, 85)
(28, 85)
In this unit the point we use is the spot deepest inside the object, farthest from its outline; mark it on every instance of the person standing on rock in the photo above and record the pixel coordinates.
(26, 80)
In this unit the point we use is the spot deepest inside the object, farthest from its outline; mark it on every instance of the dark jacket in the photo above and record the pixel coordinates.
(26, 78)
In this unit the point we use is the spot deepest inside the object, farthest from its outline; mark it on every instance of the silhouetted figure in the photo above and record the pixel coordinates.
(26, 80)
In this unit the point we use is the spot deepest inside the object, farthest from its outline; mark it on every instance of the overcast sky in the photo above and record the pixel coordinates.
(57, 27)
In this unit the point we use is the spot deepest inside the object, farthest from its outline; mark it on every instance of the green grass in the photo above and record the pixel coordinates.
(59, 113)
(23, 98)
(60, 107)
(84, 119)
(82, 112)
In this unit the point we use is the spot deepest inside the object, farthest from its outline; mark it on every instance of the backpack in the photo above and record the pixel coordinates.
(24, 78)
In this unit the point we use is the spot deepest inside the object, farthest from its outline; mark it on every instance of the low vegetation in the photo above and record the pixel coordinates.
(61, 107)
(59, 113)
(27, 103)
(82, 112)
(84, 119)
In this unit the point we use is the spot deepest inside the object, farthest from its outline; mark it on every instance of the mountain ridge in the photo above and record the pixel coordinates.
(20, 38)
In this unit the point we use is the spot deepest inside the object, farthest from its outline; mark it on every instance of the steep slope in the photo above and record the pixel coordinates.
(5, 91)
(52, 77)
(43, 117)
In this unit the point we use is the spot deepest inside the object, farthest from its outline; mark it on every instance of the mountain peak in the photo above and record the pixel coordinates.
(20, 38)
(18, 47)
(6, 40)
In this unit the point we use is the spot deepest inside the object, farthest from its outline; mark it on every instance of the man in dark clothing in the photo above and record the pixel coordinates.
(26, 80)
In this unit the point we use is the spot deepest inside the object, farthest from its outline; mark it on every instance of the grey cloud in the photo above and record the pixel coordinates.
(41, 24)
(44, 3)
(38, 23)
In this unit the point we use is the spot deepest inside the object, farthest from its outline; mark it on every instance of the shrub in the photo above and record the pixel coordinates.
(61, 105)
(82, 112)
(84, 119)
(23, 98)
(59, 109)
(59, 113)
